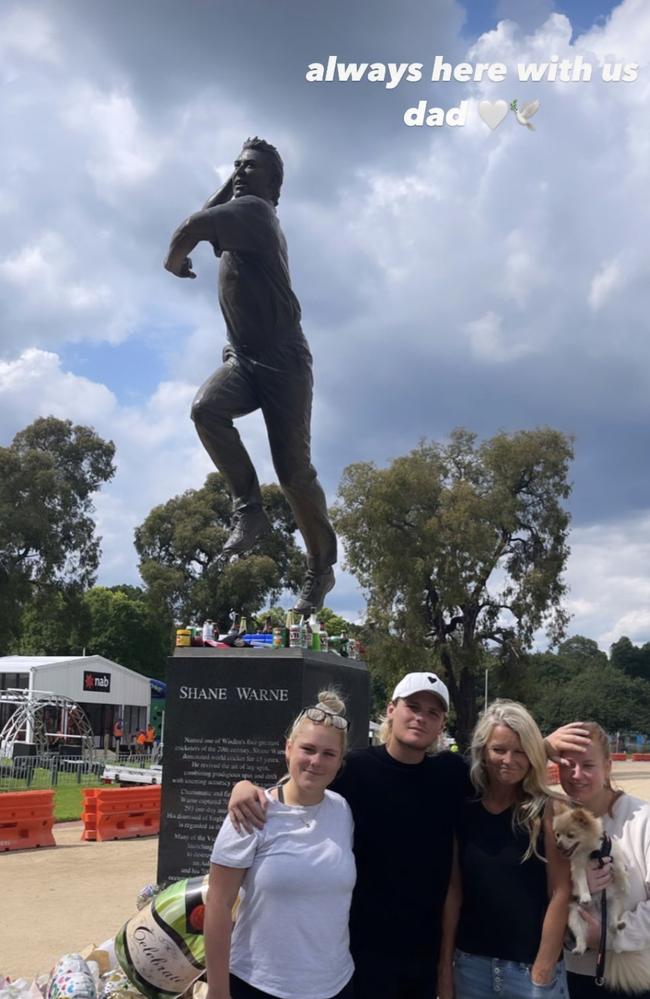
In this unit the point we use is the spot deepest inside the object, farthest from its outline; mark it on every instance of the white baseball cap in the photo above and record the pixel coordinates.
(417, 683)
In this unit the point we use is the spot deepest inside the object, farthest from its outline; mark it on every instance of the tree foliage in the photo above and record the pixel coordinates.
(180, 544)
(461, 549)
(579, 682)
(333, 623)
(125, 627)
(117, 622)
(55, 622)
(631, 659)
(48, 475)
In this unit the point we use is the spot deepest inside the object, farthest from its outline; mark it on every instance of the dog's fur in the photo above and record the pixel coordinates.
(578, 833)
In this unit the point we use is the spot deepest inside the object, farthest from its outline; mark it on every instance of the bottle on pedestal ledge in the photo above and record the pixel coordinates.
(296, 633)
(324, 637)
(314, 625)
(288, 624)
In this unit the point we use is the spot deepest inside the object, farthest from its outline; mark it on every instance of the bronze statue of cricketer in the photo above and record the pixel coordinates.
(267, 362)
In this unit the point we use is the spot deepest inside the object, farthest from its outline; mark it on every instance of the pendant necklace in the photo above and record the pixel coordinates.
(305, 819)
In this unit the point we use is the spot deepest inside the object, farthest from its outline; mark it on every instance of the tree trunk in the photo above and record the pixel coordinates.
(466, 710)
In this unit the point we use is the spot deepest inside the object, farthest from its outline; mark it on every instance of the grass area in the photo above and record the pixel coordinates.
(68, 794)
(68, 802)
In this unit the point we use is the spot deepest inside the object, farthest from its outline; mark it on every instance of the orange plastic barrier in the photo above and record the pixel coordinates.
(26, 820)
(121, 812)
(641, 756)
(619, 756)
(553, 773)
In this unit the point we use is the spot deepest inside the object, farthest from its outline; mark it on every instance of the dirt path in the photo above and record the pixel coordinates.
(57, 901)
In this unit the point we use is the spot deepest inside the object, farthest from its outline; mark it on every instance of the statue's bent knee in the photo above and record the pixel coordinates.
(297, 478)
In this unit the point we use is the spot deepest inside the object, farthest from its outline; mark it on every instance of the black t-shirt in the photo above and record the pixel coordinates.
(504, 900)
(404, 821)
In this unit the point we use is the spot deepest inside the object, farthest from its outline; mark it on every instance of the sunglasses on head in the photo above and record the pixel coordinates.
(321, 716)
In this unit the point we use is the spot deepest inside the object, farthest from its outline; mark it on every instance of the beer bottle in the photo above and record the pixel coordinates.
(324, 638)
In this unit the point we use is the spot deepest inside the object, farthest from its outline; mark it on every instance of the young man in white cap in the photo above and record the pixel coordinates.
(404, 803)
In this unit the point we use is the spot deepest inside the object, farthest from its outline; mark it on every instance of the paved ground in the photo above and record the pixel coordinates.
(58, 901)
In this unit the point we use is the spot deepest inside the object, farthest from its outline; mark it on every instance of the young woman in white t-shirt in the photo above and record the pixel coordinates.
(586, 780)
(294, 878)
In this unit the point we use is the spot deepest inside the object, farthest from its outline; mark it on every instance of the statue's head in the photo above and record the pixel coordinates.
(258, 170)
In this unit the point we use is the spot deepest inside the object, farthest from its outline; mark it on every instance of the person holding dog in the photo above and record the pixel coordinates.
(587, 782)
(513, 885)
(296, 877)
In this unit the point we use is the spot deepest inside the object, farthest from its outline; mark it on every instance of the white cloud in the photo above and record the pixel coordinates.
(608, 576)
(44, 269)
(35, 385)
(624, 37)
(490, 342)
(121, 150)
(28, 34)
(607, 281)
(524, 268)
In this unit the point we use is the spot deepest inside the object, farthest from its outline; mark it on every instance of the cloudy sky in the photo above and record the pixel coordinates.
(448, 275)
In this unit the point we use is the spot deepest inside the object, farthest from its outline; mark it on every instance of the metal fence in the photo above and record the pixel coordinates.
(35, 773)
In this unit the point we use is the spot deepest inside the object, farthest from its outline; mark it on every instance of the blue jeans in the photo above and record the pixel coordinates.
(480, 977)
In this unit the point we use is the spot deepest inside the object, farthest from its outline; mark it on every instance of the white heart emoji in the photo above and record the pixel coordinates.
(493, 112)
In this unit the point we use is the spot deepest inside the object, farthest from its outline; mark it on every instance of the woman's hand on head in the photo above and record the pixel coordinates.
(566, 740)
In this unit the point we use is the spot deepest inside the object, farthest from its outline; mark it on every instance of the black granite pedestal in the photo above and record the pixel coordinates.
(227, 714)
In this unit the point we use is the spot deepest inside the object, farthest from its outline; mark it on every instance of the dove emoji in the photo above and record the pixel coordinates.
(523, 114)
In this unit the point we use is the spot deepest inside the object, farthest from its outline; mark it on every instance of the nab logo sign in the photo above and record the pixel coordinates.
(98, 682)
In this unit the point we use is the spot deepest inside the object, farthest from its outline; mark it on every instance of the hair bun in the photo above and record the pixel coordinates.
(329, 700)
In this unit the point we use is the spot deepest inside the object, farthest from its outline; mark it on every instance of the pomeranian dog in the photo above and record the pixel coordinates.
(578, 835)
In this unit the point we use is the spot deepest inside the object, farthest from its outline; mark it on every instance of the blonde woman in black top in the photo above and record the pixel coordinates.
(514, 886)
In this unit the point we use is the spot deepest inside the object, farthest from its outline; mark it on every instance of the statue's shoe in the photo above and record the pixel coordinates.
(250, 526)
(315, 588)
